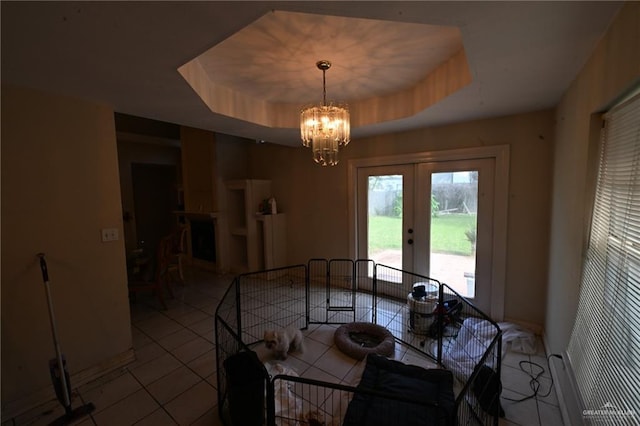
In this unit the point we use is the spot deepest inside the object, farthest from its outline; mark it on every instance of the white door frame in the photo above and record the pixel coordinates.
(500, 153)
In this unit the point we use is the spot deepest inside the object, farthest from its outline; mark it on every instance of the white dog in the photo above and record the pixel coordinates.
(282, 342)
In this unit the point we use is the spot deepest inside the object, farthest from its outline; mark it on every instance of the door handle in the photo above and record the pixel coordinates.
(410, 241)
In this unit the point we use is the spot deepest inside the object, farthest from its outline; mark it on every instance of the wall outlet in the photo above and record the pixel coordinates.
(109, 234)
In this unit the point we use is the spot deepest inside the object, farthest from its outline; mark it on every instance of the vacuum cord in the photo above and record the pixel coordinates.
(534, 383)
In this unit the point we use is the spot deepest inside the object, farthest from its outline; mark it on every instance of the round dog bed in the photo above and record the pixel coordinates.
(357, 339)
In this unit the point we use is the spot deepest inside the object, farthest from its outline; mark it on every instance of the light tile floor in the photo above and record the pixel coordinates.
(173, 380)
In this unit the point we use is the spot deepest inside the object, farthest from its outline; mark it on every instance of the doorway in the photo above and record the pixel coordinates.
(155, 198)
(438, 215)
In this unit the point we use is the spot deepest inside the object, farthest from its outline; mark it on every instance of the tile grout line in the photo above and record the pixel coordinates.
(156, 401)
(202, 379)
(93, 420)
(184, 364)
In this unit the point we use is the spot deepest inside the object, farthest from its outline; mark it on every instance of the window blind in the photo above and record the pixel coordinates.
(604, 349)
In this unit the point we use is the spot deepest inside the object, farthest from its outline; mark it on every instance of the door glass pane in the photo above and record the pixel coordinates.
(384, 219)
(453, 225)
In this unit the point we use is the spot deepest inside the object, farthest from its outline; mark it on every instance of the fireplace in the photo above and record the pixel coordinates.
(203, 239)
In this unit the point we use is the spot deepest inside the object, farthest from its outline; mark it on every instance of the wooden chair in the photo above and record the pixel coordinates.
(178, 253)
(153, 276)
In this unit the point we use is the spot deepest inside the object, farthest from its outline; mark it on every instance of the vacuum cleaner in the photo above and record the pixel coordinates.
(58, 365)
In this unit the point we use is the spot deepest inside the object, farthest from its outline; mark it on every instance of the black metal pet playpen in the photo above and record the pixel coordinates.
(426, 316)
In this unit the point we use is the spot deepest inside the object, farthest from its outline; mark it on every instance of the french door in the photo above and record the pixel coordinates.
(434, 218)
(385, 212)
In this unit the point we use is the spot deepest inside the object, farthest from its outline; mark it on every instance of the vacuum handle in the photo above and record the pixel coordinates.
(43, 268)
(60, 361)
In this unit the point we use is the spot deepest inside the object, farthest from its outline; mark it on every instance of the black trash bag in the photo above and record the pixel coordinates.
(246, 386)
(487, 387)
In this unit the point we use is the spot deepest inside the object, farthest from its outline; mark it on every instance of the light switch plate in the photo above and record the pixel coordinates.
(109, 234)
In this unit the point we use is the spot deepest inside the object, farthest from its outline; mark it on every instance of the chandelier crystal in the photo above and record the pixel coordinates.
(325, 128)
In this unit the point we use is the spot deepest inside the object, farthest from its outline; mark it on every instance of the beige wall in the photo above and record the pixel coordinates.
(59, 188)
(315, 198)
(231, 163)
(610, 72)
(231, 156)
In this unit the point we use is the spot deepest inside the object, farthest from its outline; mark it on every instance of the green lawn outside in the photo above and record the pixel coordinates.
(447, 233)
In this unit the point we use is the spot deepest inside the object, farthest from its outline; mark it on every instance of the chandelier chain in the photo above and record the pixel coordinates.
(324, 88)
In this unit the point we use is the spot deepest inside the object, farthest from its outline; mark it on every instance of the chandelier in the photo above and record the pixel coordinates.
(324, 128)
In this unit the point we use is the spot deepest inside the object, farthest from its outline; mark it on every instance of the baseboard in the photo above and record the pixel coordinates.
(19, 406)
(564, 385)
(534, 328)
(204, 264)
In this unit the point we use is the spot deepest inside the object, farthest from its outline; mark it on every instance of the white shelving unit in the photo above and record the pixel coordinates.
(274, 231)
(254, 241)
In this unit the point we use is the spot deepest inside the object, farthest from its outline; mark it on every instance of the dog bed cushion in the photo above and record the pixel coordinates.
(358, 339)
(384, 385)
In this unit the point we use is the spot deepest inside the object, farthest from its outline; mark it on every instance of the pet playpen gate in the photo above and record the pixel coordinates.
(341, 291)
